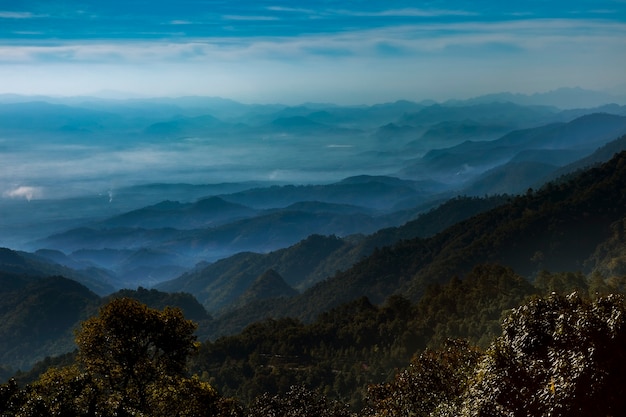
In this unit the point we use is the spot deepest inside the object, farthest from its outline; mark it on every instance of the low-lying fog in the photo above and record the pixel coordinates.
(51, 179)
(52, 171)
(67, 162)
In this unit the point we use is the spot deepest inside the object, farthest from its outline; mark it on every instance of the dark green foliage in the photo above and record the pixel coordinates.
(37, 320)
(219, 284)
(548, 223)
(560, 282)
(11, 398)
(159, 300)
(39, 315)
(539, 230)
(557, 356)
(131, 362)
(448, 214)
(315, 258)
(560, 356)
(340, 353)
(359, 343)
(434, 379)
(18, 268)
(128, 348)
(60, 361)
(471, 308)
(269, 285)
(609, 259)
(297, 402)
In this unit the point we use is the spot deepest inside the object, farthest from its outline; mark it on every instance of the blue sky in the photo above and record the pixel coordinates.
(347, 52)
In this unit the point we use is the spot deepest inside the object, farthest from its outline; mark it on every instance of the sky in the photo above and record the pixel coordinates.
(347, 52)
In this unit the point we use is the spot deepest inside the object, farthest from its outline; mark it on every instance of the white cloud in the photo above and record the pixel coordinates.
(411, 12)
(450, 59)
(411, 38)
(25, 192)
(249, 17)
(291, 10)
(181, 22)
(16, 15)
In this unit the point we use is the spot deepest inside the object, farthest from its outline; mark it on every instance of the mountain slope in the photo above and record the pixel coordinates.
(316, 257)
(376, 192)
(582, 135)
(602, 154)
(267, 286)
(485, 113)
(207, 212)
(24, 264)
(556, 228)
(221, 283)
(512, 177)
(37, 320)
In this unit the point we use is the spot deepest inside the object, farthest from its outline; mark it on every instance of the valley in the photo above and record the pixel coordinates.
(358, 237)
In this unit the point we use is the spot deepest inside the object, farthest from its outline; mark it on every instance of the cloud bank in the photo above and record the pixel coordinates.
(260, 51)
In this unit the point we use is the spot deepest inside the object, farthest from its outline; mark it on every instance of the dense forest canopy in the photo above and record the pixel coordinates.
(556, 355)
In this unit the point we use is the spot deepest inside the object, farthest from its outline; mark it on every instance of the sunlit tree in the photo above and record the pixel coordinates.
(128, 348)
(557, 356)
(131, 362)
(434, 379)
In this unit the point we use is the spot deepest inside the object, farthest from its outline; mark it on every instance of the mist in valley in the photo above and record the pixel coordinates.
(197, 179)
(331, 193)
(58, 172)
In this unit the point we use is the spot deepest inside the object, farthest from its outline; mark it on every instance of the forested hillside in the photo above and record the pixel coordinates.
(352, 360)
(38, 316)
(312, 209)
(347, 339)
(540, 230)
(316, 257)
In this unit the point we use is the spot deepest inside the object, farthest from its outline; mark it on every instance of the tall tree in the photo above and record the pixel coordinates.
(131, 362)
(557, 356)
(129, 348)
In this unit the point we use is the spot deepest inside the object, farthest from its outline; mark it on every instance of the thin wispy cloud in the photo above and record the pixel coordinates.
(312, 45)
(28, 32)
(181, 22)
(411, 12)
(291, 9)
(409, 38)
(17, 15)
(249, 18)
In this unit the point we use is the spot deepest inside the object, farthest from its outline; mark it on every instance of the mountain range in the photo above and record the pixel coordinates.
(532, 232)
(181, 234)
(540, 230)
(416, 194)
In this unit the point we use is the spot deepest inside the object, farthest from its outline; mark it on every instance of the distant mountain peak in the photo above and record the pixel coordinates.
(366, 179)
(268, 285)
(564, 98)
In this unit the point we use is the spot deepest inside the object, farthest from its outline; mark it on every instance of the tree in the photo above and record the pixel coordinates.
(11, 398)
(297, 402)
(129, 348)
(557, 356)
(435, 379)
(131, 361)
